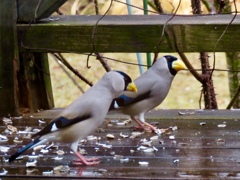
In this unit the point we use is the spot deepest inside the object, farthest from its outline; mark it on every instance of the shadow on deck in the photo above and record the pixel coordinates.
(196, 144)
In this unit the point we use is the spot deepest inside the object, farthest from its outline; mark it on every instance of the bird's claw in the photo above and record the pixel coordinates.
(88, 161)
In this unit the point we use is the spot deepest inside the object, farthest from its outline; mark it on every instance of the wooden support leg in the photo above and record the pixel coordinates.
(8, 58)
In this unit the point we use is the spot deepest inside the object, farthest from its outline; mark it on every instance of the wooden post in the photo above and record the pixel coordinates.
(35, 89)
(8, 58)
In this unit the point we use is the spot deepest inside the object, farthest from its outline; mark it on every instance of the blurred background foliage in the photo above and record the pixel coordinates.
(185, 90)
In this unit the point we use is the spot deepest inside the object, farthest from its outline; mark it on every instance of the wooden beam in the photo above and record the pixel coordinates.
(136, 33)
(8, 58)
(29, 10)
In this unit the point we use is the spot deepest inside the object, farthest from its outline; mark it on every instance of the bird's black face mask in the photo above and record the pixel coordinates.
(170, 60)
(127, 79)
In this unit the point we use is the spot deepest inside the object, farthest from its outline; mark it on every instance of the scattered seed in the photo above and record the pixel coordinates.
(118, 157)
(91, 138)
(222, 125)
(110, 136)
(20, 157)
(101, 130)
(135, 134)
(176, 161)
(127, 121)
(124, 135)
(121, 123)
(38, 147)
(57, 158)
(3, 138)
(19, 117)
(17, 140)
(154, 148)
(142, 148)
(202, 123)
(82, 151)
(107, 146)
(44, 151)
(41, 121)
(33, 156)
(31, 170)
(7, 120)
(36, 130)
(101, 170)
(172, 137)
(60, 152)
(143, 163)
(58, 168)
(3, 172)
(132, 151)
(154, 138)
(112, 153)
(221, 142)
(123, 160)
(114, 121)
(185, 113)
(4, 149)
(12, 128)
(47, 173)
(31, 164)
(148, 150)
(146, 143)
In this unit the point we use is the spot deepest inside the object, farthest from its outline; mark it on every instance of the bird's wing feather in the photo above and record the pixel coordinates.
(124, 100)
(59, 123)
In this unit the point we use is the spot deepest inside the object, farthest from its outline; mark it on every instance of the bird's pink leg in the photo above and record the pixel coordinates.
(140, 124)
(85, 161)
(144, 125)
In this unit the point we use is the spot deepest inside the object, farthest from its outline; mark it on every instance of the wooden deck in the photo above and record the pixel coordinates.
(197, 144)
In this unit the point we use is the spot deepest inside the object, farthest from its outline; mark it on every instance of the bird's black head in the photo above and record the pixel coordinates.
(170, 59)
(128, 84)
(126, 78)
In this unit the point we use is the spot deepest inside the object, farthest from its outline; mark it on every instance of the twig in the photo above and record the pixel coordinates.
(68, 74)
(60, 57)
(103, 62)
(158, 6)
(236, 95)
(98, 55)
(190, 67)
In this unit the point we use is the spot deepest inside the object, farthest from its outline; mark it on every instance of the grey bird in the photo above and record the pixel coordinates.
(153, 87)
(83, 116)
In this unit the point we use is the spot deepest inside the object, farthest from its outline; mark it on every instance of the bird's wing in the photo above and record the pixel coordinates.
(59, 123)
(124, 100)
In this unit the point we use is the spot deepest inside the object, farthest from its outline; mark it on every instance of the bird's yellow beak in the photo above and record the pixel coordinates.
(178, 65)
(132, 87)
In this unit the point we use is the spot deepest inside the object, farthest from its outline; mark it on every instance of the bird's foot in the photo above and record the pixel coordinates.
(145, 127)
(86, 161)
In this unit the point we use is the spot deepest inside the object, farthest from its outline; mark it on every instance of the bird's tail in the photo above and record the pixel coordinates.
(25, 148)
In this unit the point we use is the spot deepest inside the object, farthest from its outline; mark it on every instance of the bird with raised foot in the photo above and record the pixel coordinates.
(153, 87)
(83, 116)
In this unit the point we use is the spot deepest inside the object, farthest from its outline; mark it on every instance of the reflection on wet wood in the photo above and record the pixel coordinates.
(191, 148)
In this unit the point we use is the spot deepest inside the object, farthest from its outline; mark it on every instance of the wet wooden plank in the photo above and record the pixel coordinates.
(138, 33)
(197, 151)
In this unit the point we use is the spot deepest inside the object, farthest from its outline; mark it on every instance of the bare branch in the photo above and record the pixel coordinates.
(235, 97)
(68, 74)
(190, 67)
(103, 62)
(60, 57)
